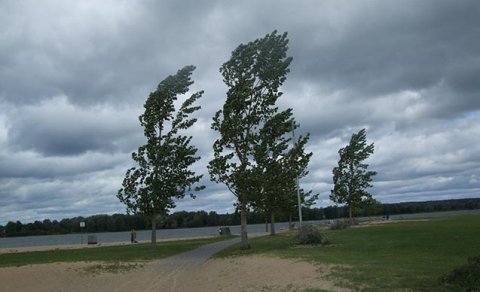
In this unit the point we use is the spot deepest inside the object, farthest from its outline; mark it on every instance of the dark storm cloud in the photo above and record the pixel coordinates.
(56, 127)
(119, 53)
(387, 46)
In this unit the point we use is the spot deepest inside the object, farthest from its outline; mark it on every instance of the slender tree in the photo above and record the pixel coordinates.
(278, 166)
(163, 174)
(351, 177)
(253, 74)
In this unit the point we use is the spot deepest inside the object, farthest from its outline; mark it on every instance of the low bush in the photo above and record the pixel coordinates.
(467, 277)
(311, 234)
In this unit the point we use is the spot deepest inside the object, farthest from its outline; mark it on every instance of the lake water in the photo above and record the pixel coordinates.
(108, 237)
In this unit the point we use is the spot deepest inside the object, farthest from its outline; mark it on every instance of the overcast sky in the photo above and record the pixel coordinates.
(74, 76)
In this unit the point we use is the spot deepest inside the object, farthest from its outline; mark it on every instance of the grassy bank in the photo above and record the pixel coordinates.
(396, 256)
(121, 253)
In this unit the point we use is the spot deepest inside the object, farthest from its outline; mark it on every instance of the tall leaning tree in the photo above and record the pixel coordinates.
(163, 173)
(253, 75)
(278, 166)
(351, 177)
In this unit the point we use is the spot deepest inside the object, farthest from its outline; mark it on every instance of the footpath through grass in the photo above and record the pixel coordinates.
(408, 255)
(120, 253)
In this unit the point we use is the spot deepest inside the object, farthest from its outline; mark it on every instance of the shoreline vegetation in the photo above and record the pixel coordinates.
(183, 219)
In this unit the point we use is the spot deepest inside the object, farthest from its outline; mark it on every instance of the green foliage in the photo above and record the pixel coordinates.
(253, 74)
(466, 277)
(311, 234)
(163, 171)
(368, 207)
(278, 167)
(350, 177)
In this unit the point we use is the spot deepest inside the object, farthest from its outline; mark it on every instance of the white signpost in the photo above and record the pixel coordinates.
(82, 225)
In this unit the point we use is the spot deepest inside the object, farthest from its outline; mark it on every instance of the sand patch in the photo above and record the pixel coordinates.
(261, 273)
(250, 273)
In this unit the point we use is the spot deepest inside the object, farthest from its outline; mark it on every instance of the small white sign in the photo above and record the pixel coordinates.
(82, 224)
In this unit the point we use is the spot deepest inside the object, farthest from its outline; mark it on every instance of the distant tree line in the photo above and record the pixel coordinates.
(183, 219)
(378, 209)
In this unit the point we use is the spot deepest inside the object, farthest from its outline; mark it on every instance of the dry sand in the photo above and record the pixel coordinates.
(252, 273)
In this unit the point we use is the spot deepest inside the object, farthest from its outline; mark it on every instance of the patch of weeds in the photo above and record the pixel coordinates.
(113, 268)
(311, 234)
(466, 277)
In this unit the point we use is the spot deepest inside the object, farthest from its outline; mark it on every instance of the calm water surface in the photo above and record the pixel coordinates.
(108, 237)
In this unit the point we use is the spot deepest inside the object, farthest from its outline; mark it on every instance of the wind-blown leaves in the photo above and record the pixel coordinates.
(163, 173)
(254, 73)
(351, 177)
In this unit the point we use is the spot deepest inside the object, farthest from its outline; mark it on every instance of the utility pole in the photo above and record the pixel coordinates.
(298, 184)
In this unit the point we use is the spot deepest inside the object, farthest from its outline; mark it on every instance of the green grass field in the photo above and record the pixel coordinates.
(121, 253)
(403, 256)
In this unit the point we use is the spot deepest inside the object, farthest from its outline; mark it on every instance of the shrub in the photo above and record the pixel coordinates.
(466, 277)
(311, 234)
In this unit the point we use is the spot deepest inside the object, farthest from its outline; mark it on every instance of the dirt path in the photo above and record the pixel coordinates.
(177, 269)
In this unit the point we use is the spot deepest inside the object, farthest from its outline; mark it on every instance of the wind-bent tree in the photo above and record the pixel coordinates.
(253, 74)
(278, 167)
(351, 177)
(163, 162)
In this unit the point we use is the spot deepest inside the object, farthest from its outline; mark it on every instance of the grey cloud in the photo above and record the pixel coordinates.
(55, 127)
(74, 76)
(33, 165)
(388, 47)
(28, 199)
(117, 55)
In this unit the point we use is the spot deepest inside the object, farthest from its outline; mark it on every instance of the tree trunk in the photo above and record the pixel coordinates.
(243, 229)
(272, 223)
(266, 224)
(350, 213)
(290, 226)
(154, 229)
